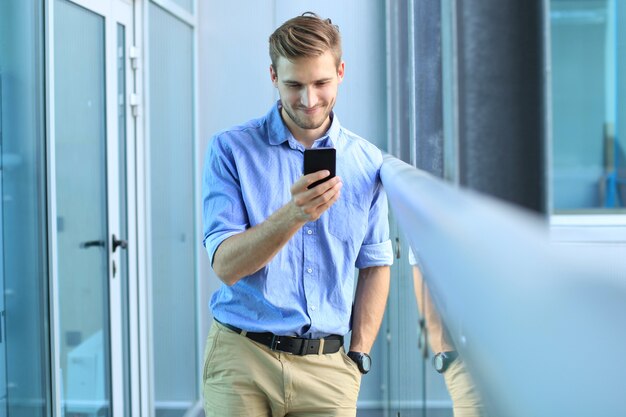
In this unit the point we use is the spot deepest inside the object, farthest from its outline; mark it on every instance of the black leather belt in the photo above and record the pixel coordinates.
(294, 345)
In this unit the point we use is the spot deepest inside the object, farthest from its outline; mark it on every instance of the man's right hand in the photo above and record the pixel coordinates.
(245, 253)
(308, 205)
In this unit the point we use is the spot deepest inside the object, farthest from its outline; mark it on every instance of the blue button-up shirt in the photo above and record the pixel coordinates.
(307, 288)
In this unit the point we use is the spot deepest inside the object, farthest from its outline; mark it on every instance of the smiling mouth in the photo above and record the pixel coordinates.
(309, 111)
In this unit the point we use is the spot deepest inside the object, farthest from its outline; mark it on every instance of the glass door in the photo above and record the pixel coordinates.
(91, 203)
(82, 209)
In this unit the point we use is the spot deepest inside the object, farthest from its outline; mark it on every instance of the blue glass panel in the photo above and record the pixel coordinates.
(24, 337)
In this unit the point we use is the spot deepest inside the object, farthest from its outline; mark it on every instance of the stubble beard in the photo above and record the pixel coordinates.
(308, 124)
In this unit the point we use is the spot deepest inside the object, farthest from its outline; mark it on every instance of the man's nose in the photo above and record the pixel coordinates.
(308, 97)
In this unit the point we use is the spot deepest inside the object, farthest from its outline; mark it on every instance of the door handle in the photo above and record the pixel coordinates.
(115, 243)
(91, 244)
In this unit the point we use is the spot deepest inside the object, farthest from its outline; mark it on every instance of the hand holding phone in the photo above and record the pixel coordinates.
(309, 202)
(319, 159)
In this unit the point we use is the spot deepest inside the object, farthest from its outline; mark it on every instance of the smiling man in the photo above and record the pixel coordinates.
(308, 90)
(286, 254)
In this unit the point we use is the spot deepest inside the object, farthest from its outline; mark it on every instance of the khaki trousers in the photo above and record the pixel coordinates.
(245, 379)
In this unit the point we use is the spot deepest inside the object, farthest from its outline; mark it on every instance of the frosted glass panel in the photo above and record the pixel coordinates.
(24, 337)
(588, 95)
(172, 212)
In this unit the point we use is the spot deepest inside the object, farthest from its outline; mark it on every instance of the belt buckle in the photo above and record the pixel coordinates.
(274, 343)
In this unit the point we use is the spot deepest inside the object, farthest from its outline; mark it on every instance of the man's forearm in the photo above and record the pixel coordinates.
(369, 306)
(246, 253)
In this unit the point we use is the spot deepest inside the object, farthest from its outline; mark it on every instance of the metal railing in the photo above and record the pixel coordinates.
(539, 325)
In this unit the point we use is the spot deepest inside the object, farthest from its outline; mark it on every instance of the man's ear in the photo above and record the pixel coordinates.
(273, 76)
(341, 70)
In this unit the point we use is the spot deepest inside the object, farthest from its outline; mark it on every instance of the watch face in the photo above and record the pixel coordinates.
(438, 362)
(366, 362)
(362, 360)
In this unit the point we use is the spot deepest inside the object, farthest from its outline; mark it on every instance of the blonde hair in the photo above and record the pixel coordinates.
(308, 36)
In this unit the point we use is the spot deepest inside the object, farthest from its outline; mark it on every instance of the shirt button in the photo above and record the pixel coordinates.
(313, 308)
(309, 270)
(309, 232)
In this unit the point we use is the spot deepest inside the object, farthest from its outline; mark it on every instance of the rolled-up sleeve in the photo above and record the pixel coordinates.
(224, 213)
(376, 249)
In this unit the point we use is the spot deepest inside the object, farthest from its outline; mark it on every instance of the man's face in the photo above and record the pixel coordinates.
(308, 90)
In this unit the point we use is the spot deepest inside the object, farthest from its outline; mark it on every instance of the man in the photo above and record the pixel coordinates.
(287, 253)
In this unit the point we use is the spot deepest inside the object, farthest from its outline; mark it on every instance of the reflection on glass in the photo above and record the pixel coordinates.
(24, 337)
(465, 398)
(414, 388)
(408, 384)
(588, 92)
(172, 213)
(82, 236)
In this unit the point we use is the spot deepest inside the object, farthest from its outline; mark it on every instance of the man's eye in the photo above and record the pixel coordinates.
(294, 86)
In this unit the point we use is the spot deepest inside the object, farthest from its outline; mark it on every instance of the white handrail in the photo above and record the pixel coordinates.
(540, 326)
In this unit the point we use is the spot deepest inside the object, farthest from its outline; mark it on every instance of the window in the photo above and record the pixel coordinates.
(588, 91)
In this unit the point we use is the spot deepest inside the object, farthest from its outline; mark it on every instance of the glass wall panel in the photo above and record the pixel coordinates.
(172, 212)
(410, 374)
(588, 92)
(414, 387)
(24, 334)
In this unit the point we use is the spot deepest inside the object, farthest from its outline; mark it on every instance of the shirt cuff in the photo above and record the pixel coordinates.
(377, 254)
(214, 242)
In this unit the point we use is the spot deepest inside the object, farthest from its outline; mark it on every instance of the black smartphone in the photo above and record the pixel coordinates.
(319, 159)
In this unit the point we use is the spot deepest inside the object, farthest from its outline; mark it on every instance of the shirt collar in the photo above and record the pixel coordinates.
(279, 133)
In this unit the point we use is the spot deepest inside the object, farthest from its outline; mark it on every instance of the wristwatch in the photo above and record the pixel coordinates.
(362, 360)
(442, 360)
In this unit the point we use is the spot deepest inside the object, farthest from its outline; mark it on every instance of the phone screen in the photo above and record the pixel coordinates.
(319, 159)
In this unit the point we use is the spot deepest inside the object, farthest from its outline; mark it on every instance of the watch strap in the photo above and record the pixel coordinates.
(357, 358)
(446, 359)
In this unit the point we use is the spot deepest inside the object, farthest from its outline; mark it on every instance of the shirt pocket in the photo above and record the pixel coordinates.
(348, 219)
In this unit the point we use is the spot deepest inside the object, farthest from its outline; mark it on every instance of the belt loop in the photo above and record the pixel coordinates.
(321, 351)
(275, 342)
(243, 333)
